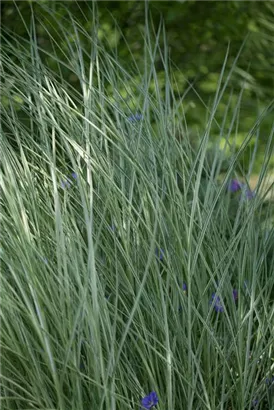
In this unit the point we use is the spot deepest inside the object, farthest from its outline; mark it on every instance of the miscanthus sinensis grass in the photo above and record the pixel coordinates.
(135, 272)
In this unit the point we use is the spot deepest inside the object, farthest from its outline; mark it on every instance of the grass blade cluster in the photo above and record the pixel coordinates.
(128, 264)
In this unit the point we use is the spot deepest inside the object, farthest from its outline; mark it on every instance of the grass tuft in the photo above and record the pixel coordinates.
(137, 267)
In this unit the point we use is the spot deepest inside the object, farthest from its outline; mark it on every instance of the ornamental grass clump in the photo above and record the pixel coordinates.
(106, 281)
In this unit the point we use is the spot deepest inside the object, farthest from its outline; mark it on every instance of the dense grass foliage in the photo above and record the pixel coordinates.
(137, 265)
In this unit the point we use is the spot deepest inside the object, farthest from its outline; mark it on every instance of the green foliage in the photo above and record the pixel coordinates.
(92, 315)
(198, 33)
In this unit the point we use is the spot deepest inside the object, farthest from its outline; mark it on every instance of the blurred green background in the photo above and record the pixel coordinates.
(199, 35)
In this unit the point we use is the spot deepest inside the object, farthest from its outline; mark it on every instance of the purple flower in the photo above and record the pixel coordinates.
(159, 254)
(150, 400)
(234, 185)
(135, 117)
(216, 301)
(255, 403)
(235, 294)
(65, 184)
(249, 194)
(184, 287)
